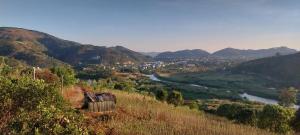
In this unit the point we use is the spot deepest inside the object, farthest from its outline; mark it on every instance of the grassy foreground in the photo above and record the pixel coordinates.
(142, 115)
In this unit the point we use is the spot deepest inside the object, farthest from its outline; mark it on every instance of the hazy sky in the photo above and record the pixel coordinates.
(159, 25)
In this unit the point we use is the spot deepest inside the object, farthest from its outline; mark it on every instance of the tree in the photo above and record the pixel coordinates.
(276, 118)
(67, 73)
(239, 113)
(175, 97)
(95, 74)
(229, 110)
(162, 95)
(125, 85)
(247, 116)
(288, 97)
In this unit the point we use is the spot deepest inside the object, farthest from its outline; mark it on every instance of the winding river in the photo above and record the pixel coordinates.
(244, 95)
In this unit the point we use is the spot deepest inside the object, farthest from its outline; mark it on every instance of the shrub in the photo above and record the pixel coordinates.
(124, 86)
(27, 93)
(276, 118)
(33, 107)
(162, 95)
(95, 74)
(238, 113)
(67, 73)
(47, 76)
(247, 116)
(229, 110)
(175, 97)
(46, 120)
(193, 105)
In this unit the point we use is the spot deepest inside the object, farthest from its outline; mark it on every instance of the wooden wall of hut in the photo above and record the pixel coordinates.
(101, 106)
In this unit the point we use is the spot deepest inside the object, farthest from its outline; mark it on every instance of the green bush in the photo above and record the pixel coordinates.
(193, 105)
(238, 113)
(162, 95)
(129, 86)
(175, 97)
(276, 118)
(33, 107)
(67, 73)
(95, 74)
(46, 120)
(229, 110)
(247, 116)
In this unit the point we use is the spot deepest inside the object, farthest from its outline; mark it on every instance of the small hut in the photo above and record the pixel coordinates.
(100, 102)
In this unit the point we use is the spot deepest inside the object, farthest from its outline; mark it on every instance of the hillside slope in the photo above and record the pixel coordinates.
(143, 115)
(41, 49)
(283, 68)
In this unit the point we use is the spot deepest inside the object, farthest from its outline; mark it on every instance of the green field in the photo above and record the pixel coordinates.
(220, 85)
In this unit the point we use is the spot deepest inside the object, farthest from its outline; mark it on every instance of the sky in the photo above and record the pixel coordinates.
(161, 25)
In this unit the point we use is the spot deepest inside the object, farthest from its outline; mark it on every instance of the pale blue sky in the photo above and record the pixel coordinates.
(160, 25)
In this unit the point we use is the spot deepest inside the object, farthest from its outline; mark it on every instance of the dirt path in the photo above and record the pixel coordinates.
(74, 95)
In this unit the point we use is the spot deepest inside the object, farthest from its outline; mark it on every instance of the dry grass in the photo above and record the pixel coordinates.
(141, 115)
(74, 95)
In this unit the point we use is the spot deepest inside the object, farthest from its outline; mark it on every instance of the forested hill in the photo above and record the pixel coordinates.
(183, 54)
(232, 53)
(284, 68)
(41, 49)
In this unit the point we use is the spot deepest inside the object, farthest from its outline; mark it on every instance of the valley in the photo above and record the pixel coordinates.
(242, 94)
(226, 83)
(191, 86)
(149, 67)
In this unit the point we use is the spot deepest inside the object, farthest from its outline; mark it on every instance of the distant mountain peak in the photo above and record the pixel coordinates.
(183, 54)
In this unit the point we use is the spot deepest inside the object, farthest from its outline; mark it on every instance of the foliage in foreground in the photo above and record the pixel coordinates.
(276, 118)
(31, 106)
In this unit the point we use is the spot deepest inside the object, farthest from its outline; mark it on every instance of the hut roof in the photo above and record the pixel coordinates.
(91, 96)
(100, 97)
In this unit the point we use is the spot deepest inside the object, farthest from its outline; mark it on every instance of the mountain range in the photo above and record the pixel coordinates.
(183, 54)
(41, 49)
(227, 53)
(231, 53)
(151, 54)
